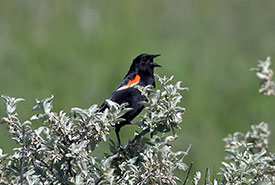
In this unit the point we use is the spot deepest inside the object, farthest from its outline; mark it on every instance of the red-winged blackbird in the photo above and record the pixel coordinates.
(141, 72)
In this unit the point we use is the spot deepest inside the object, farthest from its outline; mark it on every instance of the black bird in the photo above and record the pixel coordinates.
(141, 72)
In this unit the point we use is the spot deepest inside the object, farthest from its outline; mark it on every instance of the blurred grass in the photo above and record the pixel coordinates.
(80, 50)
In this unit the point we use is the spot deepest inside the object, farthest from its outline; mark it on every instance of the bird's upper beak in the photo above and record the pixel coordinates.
(153, 64)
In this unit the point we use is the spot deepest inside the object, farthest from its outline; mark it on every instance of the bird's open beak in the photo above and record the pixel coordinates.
(153, 64)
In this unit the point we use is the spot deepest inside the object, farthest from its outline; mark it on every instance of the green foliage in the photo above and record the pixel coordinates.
(80, 50)
(249, 160)
(61, 151)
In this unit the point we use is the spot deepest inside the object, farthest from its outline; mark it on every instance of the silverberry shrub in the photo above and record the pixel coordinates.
(62, 150)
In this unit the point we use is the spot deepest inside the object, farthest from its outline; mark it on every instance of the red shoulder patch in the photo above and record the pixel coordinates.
(135, 80)
(131, 82)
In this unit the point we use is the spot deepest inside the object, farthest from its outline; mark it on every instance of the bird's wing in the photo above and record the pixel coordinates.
(128, 81)
(123, 90)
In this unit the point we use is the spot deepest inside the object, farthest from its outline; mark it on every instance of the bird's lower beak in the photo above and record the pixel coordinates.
(153, 64)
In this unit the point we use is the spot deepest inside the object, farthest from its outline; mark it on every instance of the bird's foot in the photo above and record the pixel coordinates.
(120, 147)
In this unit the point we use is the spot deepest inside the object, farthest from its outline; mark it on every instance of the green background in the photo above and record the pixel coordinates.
(80, 50)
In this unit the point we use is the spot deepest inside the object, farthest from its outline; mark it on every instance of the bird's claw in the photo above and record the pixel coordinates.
(121, 148)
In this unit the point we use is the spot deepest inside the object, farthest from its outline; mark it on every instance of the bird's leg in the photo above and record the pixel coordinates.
(117, 129)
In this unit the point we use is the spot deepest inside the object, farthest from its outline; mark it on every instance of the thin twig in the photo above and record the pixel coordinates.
(188, 173)
(207, 177)
(122, 178)
(22, 156)
(148, 175)
(160, 176)
(40, 176)
(184, 155)
(45, 164)
(98, 180)
(89, 119)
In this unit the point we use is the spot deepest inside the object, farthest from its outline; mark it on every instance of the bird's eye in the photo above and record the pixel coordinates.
(144, 58)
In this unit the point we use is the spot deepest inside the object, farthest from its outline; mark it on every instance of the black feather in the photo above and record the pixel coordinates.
(143, 66)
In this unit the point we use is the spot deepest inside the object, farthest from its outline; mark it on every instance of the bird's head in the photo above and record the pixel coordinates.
(145, 63)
